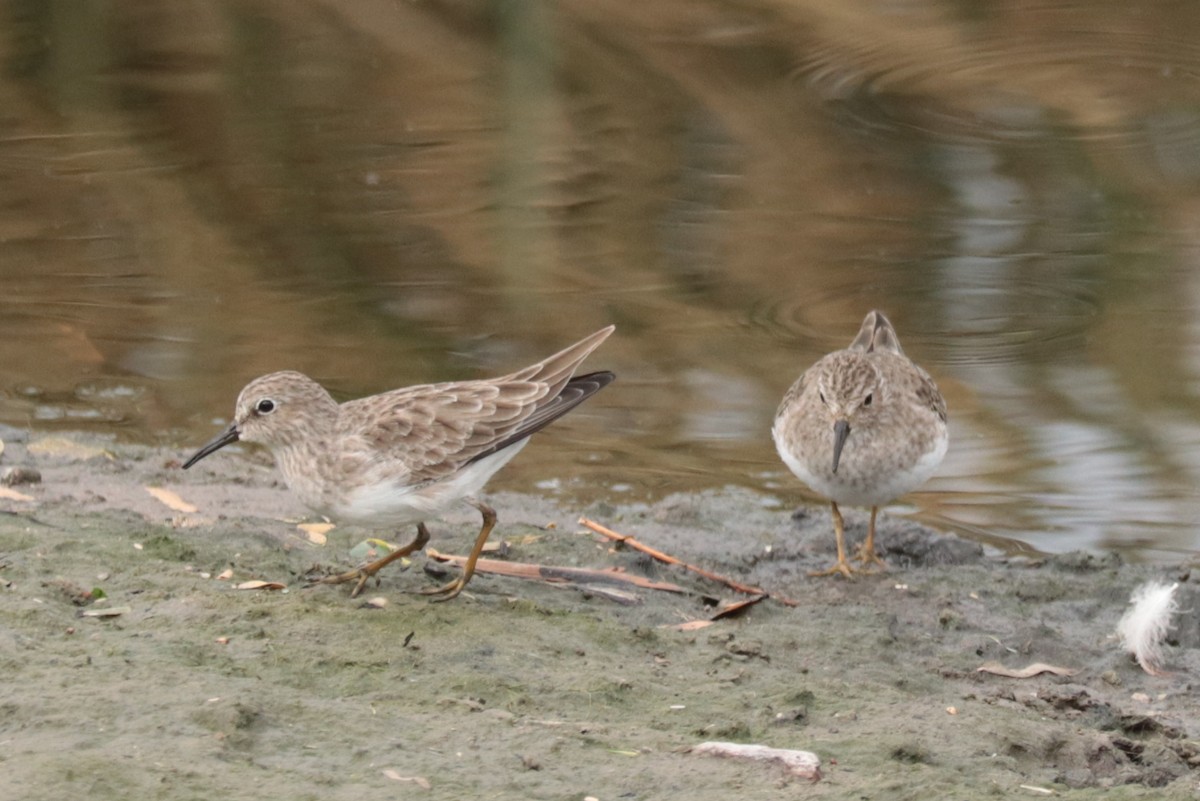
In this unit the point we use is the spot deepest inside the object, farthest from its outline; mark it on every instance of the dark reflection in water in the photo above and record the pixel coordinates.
(382, 194)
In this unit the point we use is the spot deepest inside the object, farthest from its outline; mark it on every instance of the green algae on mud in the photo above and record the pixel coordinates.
(527, 690)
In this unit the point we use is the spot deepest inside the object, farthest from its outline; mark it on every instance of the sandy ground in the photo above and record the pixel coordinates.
(528, 690)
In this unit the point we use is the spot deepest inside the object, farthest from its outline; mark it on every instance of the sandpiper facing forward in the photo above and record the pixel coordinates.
(862, 426)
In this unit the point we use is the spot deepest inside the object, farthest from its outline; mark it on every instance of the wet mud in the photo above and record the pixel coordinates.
(530, 690)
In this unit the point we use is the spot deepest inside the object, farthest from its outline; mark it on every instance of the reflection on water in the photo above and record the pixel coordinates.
(385, 194)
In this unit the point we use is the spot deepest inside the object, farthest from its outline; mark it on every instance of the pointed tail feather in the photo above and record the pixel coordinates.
(576, 391)
(555, 370)
(877, 334)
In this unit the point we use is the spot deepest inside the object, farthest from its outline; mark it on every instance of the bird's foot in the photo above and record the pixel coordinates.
(447, 590)
(360, 574)
(868, 557)
(840, 566)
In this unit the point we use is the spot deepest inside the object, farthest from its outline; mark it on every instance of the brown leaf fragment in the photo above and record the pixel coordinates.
(692, 625)
(171, 500)
(802, 764)
(225, 574)
(1028, 672)
(735, 608)
(260, 585)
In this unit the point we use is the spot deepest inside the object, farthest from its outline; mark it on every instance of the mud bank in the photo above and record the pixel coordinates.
(527, 690)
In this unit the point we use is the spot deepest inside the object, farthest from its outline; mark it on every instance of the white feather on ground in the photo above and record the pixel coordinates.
(1143, 629)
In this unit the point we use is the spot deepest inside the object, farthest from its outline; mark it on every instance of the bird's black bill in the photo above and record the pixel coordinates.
(841, 430)
(230, 435)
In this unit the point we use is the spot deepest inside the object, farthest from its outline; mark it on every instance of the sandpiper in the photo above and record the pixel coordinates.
(862, 426)
(407, 455)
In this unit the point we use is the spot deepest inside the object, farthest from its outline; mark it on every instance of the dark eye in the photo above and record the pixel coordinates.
(867, 400)
(822, 395)
(265, 406)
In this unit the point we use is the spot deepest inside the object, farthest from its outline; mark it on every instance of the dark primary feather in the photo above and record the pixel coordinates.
(576, 391)
(555, 370)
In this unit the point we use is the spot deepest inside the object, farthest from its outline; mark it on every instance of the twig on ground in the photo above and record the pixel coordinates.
(1028, 672)
(525, 570)
(626, 539)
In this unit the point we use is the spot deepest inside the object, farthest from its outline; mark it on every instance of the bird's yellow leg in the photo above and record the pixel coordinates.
(364, 573)
(453, 588)
(841, 566)
(866, 551)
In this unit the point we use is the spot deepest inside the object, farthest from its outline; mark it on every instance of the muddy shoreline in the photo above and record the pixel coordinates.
(528, 690)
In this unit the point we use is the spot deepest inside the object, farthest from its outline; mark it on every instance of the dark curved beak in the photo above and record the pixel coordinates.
(841, 430)
(230, 435)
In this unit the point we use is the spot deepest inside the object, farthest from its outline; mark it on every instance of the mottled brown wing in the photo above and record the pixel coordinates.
(793, 394)
(929, 396)
(574, 393)
(435, 429)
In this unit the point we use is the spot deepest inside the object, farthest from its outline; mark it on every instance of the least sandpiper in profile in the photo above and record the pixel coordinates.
(408, 455)
(862, 426)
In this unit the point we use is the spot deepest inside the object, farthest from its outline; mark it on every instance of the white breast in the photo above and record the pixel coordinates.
(857, 482)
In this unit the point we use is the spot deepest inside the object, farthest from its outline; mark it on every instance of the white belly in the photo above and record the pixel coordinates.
(394, 503)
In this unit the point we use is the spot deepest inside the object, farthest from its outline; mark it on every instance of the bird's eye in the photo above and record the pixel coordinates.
(822, 396)
(265, 406)
(867, 400)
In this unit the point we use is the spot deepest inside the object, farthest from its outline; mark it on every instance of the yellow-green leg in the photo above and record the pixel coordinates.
(364, 573)
(866, 551)
(841, 566)
(453, 588)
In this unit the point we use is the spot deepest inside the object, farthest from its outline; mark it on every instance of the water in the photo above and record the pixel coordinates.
(386, 194)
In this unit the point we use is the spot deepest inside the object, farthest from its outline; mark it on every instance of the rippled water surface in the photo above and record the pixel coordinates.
(382, 194)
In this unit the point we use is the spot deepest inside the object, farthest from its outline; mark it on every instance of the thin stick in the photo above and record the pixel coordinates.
(671, 560)
(526, 570)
